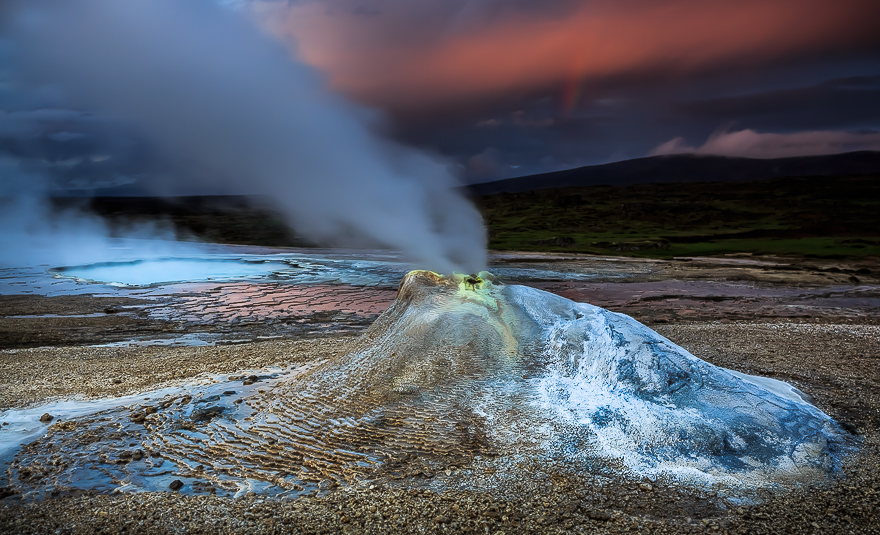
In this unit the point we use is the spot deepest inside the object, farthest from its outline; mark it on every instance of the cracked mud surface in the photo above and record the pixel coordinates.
(651, 291)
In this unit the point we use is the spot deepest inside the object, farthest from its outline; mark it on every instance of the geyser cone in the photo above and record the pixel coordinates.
(546, 377)
(463, 365)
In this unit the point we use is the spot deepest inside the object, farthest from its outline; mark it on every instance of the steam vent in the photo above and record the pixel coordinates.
(459, 370)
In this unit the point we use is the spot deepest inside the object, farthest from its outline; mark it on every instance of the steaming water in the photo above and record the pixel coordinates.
(276, 268)
(168, 270)
(261, 268)
(133, 269)
(230, 294)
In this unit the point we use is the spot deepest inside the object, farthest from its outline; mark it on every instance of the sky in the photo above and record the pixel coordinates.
(502, 88)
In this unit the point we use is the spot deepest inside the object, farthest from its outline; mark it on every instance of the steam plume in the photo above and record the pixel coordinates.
(209, 87)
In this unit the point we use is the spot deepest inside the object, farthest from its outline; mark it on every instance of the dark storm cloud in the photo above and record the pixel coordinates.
(510, 87)
(633, 119)
(536, 135)
(852, 102)
(70, 151)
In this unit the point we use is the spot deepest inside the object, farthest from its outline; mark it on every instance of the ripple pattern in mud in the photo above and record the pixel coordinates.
(458, 366)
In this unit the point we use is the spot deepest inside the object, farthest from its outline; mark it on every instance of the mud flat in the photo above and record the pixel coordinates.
(831, 357)
(653, 291)
(835, 364)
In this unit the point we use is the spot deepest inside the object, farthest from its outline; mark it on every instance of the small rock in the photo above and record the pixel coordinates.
(176, 485)
(206, 413)
(598, 514)
(441, 520)
(646, 486)
(46, 418)
(137, 417)
(228, 392)
(251, 380)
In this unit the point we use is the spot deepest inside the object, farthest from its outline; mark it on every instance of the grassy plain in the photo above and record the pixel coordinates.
(804, 216)
(809, 216)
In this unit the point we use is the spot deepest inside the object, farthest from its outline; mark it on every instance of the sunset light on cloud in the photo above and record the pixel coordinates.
(751, 144)
(396, 56)
(500, 88)
(543, 86)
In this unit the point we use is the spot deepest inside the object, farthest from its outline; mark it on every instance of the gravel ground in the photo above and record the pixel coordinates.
(29, 376)
(835, 364)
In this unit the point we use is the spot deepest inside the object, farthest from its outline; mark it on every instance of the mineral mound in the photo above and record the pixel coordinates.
(460, 366)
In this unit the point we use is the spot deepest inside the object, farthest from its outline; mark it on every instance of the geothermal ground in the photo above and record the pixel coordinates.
(70, 334)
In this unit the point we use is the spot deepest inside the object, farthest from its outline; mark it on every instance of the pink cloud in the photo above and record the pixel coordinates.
(751, 144)
(406, 55)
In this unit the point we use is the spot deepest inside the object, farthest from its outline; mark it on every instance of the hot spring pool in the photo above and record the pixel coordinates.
(168, 270)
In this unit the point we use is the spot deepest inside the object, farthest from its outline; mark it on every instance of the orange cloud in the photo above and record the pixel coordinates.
(406, 56)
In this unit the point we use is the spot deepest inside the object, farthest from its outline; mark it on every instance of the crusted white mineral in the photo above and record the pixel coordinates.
(459, 367)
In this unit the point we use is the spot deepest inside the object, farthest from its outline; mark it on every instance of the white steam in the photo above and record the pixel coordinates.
(35, 232)
(210, 88)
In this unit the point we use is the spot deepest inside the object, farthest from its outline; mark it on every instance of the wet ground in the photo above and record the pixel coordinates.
(811, 322)
(229, 294)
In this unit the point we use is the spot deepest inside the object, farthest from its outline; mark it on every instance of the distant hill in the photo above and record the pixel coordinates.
(687, 168)
(825, 216)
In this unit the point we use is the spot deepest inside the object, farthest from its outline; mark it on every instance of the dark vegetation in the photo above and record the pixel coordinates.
(820, 216)
(219, 219)
(814, 216)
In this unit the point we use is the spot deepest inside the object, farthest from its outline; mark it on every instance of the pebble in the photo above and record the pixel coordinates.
(572, 504)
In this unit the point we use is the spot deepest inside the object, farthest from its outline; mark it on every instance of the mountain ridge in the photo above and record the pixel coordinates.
(686, 168)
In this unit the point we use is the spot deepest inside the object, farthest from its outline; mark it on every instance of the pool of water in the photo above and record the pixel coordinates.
(169, 270)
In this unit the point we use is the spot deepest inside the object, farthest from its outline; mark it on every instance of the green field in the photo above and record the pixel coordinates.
(811, 216)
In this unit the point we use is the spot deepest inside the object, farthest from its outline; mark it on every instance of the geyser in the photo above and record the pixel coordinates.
(230, 110)
(460, 366)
